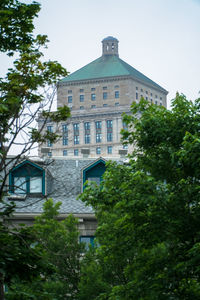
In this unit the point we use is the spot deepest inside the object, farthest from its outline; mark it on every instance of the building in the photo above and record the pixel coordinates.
(97, 95)
(31, 182)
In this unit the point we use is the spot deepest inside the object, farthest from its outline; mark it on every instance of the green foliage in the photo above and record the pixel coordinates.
(27, 91)
(16, 24)
(58, 241)
(148, 211)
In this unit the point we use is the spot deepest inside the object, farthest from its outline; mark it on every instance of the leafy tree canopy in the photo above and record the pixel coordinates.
(57, 242)
(148, 211)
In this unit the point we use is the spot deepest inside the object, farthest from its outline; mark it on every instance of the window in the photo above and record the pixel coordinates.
(125, 127)
(136, 88)
(87, 132)
(109, 136)
(136, 95)
(97, 180)
(65, 134)
(93, 106)
(105, 95)
(81, 98)
(35, 185)
(98, 137)
(69, 99)
(151, 94)
(64, 128)
(116, 103)
(75, 152)
(116, 86)
(20, 185)
(93, 97)
(94, 171)
(49, 129)
(160, 103)
(141, 96)
(109, 123)
(87, 138)
(93, 89)
(81, 107)
(87, 240)
(147, 92)
(156, 96)
(98, 150)
(65, 153)
(87, 125)
(76, 126)
(125, 147)
(142, 90)
(49, 143)
(104, 87)
(69, 91)
(76, 139)
(109, 149)
(76, 133)
(27, 178)
(146, 98)
(49, 154)
(156, 102)
(81, 90)
(98, 124)
(116, 94)
(98, 131)
(65, 140)
(151, 101)
(109, 126)
(105, 104)
(160, 98)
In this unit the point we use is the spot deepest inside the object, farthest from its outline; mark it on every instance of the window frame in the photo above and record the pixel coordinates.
(23, 172)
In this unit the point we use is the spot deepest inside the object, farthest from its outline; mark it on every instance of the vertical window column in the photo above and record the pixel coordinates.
(49, 129)
(87, 132)
(98, 127)
(76, 133)
(65, 134)
(109, 125)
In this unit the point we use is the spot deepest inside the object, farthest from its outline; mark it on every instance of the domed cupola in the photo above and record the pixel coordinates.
(110, 46)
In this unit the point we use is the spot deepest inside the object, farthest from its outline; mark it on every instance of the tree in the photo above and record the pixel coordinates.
(27, 91)
(148, 211)
(61, 251)
(29, 87)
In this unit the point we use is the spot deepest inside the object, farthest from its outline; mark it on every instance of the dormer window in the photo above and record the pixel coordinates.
(94, 172)
(27, 178)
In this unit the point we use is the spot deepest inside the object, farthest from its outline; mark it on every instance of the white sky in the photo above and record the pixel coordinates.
(160, 38)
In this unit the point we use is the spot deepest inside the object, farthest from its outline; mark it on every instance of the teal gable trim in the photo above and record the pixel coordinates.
(96, 169)
(26, 169)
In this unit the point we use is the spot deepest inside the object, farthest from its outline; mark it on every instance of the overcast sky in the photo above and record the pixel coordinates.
(160, 38)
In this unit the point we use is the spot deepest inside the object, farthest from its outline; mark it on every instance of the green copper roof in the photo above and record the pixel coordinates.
(109, 66)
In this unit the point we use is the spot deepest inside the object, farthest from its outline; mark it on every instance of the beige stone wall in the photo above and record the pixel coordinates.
(105, 109)
(127, 88)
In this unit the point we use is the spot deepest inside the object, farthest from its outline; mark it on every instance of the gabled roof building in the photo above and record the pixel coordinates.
(97, 95)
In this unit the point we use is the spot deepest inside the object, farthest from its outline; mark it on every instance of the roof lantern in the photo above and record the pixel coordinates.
(110, 46)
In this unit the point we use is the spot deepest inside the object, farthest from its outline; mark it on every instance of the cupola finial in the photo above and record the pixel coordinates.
(110, 46)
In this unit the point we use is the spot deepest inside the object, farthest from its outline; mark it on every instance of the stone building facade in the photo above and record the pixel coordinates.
(97, 95)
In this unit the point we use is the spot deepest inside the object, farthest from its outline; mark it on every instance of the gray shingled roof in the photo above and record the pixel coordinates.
(64, 183)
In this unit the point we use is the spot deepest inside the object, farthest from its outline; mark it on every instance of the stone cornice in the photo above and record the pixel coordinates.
(109, 79)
